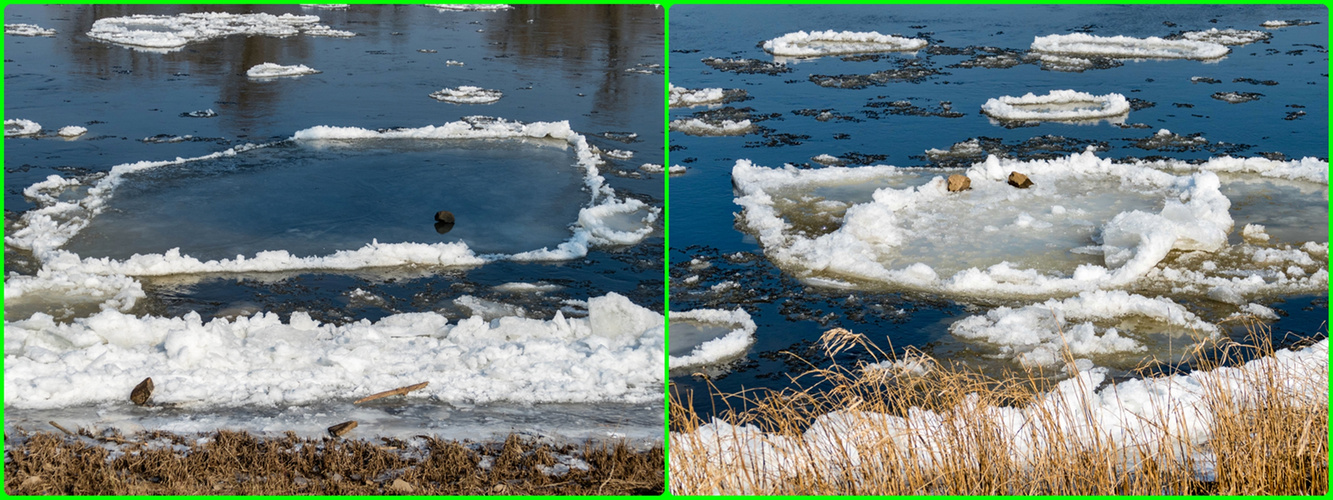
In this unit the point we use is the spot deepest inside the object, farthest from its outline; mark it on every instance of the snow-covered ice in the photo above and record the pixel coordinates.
(654, 168)
(272, 70)
(695, 126)
(470, 7)
(71, 131)
(163, 33)
(15, 127)
(823, 43)
(1227, 36)
(1057, 105)
(27, 30)
(467, 94)
(1082, 44)
(708, 336)
(681, 97)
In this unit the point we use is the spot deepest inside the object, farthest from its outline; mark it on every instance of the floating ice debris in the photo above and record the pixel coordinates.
(654, 168)
(1057, 105)
(467, 95)
(681, 97)
(1227, 36)
(72, 131)
(613, 355)
(1254, 233)
(1284, 24)
(709, 336)
(1137, 414)
(164, 33)
(15, 127)
(427, 51)
(517, 287)
(1082, 44)
(167, 139)
(28, 30)
(646, 69)
(823, 43)
(900, 227)
(970, 148)
(470, 7)
(1071, 64)
(1164, 140)
(1038, 334)
(746, 66)
(203, 113)
(618, 154)
(1237, 97)
(452, 62)
(271, 70)
(695, 126)
(329, 6)
(1204, 79)
(828, 159)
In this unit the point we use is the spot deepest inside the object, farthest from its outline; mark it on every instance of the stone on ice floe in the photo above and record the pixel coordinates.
(1019, 181)
(959, 182)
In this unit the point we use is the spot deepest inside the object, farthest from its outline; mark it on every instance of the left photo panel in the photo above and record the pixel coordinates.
(334, 249)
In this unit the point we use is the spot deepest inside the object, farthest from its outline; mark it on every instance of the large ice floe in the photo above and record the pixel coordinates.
(824, 43)
(1057, 105)
(709, 336)
(65, 208)
(163, 33)
(615, 354)
(467, 94)
(28, 30)
(696, 126)
(15, 127)
(681, 97)
(1134, 416)
(271, 70)
(1124, 47)
(1087, 223)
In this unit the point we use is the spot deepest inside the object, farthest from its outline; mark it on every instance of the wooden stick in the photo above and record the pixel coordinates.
(62, 429)
(395, 392)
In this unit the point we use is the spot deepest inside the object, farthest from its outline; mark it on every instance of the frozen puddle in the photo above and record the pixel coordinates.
(271, 70)
(709, 336)
(1085, 224)
(161, 33)
(824, 43)
(1124, 47)
(1057, 105)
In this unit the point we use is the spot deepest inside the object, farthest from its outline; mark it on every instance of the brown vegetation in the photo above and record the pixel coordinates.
(238, 463)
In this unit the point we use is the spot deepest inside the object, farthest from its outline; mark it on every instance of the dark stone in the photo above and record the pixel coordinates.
(443, 227)
(141, 392)
(1019, 180)
(444, 216)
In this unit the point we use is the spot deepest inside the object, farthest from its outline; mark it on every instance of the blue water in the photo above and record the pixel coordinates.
(791, 315)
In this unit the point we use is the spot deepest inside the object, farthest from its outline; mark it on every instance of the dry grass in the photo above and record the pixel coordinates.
(959, 432)
(238, 463)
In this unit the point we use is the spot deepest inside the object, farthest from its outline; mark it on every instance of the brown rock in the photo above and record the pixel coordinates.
(444, 216)
(401, 486)
(141, 392)
(343, 428)
(1019, 181)
(959, 182)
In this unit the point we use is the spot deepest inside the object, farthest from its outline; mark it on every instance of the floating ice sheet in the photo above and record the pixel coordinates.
(1134, 414)
(681, 97)
(470, 7)
(695, 126)
(1082, 44)
(271, 70)
(71, 131)
(15, 127)
(613, 355)
(467, 94)
(824, 43)
(1227, 36)
(171, 32)
(1086, 224)
(1057, 105)
(709, 336)
(28, 30)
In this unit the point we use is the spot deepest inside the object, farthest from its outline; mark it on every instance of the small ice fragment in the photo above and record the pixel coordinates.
(15, 127)
(271, 70)
(72, 131)
(467, 94)
(1057, 105)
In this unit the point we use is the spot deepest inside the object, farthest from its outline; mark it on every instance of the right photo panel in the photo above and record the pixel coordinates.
(998, 249)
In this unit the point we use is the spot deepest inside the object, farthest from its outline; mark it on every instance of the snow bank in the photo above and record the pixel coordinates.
(695, 126)
(1133, 415)
(1057, 105)
(692, 336)
(28, 30)
(1082, 44)
(271, 70)
(823, 43)
(15, 127)
(1086, 224)
(467, 95)
(163, 33)
(613, 355)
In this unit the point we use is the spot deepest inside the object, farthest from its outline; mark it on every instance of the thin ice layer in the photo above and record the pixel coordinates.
(1086, 223)
(171, 32)
(1042, 334)
(1057, 105)
(1124, 47)
(1139, 414)
(823, 43)
(271, 70)
(467, 94)
(709, 336)
(613, 355)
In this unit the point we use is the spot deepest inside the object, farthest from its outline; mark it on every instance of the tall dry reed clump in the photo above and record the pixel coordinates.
(913, 425)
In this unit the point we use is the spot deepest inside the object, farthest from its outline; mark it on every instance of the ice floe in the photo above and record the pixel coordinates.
(1227, 36)
(272, 70)
(1086, 224)
(1057, 105)
(695, 126)
(1082, 44)
(1138, 414)
(163, 33)
(470, 7)
(709, 336)
(654, 168)
(681, 97)
(1286, 23)
(823, 43)
(467, 94)
(15, 127)
(28, 30)
(71, 131)
(1237, 97)
(613, 355)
